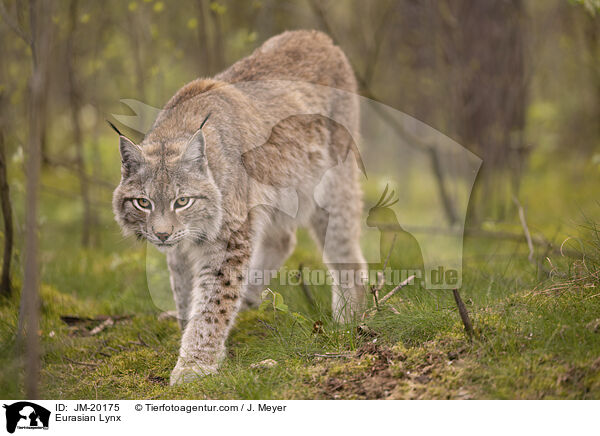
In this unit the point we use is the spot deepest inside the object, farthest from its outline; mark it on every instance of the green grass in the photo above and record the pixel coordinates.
(530, 341)
(527, 344)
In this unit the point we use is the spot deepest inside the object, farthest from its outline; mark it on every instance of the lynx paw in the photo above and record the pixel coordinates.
(186, 372)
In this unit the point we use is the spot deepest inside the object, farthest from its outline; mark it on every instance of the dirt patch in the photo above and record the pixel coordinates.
(157, 379)
(367, 375)
(379, 372)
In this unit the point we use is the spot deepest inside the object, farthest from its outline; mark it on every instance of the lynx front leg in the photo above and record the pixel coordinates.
(216, 299)
(180, 269)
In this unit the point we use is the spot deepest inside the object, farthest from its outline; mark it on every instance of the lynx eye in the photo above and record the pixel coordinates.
(142, 203)
(182, 202)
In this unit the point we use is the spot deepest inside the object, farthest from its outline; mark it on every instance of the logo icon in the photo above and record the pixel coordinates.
(26, 415)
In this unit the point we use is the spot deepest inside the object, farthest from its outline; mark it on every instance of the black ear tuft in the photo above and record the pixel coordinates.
(114, 128)
(205, 120)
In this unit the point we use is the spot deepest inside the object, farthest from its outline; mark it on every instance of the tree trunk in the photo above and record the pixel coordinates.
(40, 16)
(75, 100)
(218, 51)
(484, 44)
(205, 56)
(5, 285)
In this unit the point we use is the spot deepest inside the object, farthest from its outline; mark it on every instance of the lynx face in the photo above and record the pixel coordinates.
(164, 198)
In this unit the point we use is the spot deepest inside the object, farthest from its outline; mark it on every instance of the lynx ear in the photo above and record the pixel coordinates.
(195, 149)
(131, 156)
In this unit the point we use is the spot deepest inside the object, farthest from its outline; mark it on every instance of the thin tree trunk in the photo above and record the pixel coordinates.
(74, 97)
(219, 55)
(5, 284)
(40, 15)
(136, 46)
(205, 56)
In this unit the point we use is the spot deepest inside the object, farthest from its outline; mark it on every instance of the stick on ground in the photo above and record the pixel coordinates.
(396, 289)
(464, 315)
(525, 229)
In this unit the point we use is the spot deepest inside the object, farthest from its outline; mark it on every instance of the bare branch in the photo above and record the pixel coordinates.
(464, 315)
(396, 289)
(525, 229)
(93, 365)
(104, 324)
(12, 23)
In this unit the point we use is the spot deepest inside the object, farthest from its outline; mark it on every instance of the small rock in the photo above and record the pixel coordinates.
(267, 363)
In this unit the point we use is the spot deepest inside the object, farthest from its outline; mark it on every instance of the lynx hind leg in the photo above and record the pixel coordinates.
(335, 226)
(273, 248)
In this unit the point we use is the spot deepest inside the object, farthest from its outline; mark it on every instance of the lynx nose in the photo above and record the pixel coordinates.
(163, 236)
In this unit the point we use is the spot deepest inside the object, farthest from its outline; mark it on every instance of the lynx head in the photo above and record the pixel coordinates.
(167, 197)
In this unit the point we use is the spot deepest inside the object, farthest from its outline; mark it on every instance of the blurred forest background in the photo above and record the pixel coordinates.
(516, 82)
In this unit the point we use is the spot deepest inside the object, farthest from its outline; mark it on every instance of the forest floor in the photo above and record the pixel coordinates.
(537, 330)
(539, 342)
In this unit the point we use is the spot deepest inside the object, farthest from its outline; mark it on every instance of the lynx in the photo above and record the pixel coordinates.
(199, 185)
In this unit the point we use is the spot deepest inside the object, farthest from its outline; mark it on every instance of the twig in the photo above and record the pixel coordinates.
(372, 310)
(141, 340)
(376, 288)
(396, 289)
(104, 324)
(143, 343)
(525, 229)
(267, 325)
(381, 274)
(464, 315)
(80, 363)
(15, 27)
(333, 355)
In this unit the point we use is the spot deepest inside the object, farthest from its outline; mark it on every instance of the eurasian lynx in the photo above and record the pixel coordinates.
(199, 185)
